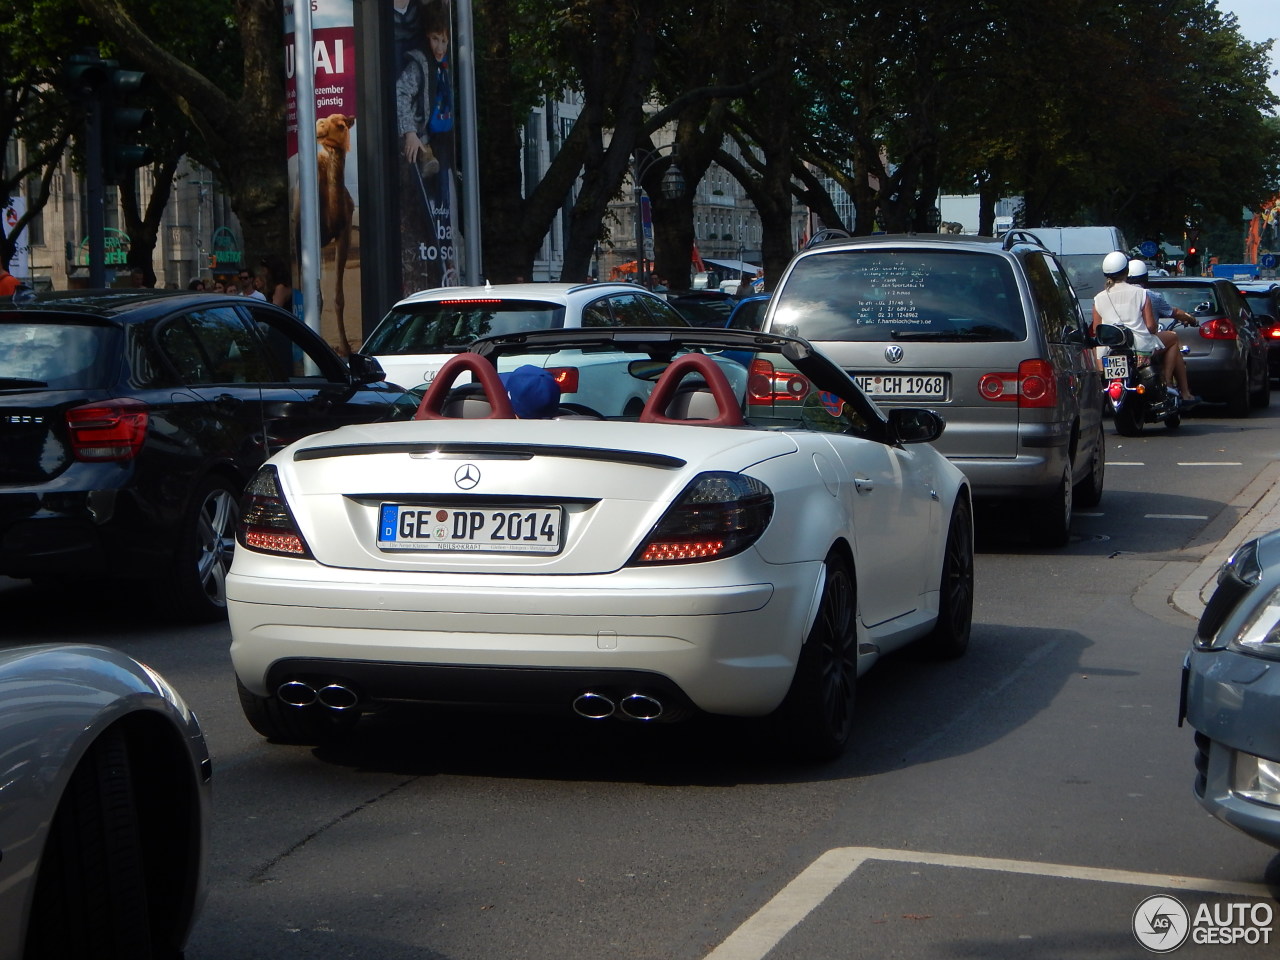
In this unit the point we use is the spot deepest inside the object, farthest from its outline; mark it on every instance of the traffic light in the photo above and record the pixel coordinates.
(123, 123)
(106, 89)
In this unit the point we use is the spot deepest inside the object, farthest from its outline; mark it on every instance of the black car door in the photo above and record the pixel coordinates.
(308, 388)
(219, 360)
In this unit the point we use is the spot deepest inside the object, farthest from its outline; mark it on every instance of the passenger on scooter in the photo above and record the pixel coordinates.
(1159, 302)
(1127, 305)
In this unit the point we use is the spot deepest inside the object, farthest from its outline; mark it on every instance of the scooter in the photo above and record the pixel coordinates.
(1134, 385)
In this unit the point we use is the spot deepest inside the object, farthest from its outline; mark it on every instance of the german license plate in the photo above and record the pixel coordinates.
(904, 386)
(509, 529)
(1115, 366)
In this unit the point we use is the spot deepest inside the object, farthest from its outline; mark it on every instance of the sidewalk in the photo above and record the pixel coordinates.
(1260, 503)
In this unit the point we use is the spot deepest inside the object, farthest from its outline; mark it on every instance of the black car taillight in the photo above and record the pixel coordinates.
(717, 516)
(110, 430)
(266, 525)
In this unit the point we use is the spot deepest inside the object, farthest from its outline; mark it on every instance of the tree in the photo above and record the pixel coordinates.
(239, 114)
(35, 40)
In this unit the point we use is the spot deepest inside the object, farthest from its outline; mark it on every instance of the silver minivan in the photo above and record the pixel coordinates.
(986, 331)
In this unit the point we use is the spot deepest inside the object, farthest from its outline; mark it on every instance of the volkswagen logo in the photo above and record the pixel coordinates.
(893, 353)
(467, 476)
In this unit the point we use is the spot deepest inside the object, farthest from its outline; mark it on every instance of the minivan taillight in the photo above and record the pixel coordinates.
(266, 525)
(718, 515)
(1220, 329)
(111, 430)
(1034, 385)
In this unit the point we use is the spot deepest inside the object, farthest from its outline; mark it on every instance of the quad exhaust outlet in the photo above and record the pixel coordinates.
(332, 696)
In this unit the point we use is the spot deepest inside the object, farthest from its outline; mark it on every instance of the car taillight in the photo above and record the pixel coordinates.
(1034, 385)
(111, 430)
(767, 385)
(1220, 329)
(718, 515)
(566, 378)
(266, 525)
(1273, 333)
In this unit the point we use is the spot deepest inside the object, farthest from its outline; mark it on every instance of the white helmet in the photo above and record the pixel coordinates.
(1114, 263)
(1138, 268)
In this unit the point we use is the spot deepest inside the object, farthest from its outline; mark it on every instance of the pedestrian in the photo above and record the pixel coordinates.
(196, 284)
(248, 287)
(278, 285)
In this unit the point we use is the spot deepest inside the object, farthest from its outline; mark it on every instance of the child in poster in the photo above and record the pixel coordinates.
(424, 119)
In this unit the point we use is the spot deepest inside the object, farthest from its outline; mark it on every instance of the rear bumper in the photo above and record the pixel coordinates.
(726, 644)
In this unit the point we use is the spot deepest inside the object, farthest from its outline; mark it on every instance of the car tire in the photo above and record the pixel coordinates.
(949, 638)
(1051, 517)
(280, 722)
(1088, 492)
(91, 893)
(1238, 403)
(206, 542)
(1260, 399)
(1130, 419)
(816, 717)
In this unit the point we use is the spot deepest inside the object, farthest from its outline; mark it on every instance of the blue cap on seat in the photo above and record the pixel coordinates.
(534, 393)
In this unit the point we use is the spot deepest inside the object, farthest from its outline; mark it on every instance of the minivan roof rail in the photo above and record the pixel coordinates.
(1020, 236)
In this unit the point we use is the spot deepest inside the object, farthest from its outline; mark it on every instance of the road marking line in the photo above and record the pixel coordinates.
(765, 929)
(1125, 463)
(1210, 463)
(1174, 516)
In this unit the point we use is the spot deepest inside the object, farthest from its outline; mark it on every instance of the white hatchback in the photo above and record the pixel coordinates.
(422, 331)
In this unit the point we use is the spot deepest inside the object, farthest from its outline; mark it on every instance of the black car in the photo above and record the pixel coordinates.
(131, 420)
(703, 308)
(1225, 352)
(1263, 297)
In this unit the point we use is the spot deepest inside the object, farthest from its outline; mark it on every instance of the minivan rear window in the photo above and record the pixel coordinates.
(878, 294)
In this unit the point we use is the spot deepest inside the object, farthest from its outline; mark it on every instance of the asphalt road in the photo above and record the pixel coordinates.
(1020, 802)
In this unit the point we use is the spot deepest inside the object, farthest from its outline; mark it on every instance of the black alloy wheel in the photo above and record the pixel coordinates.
(817, 714)
(950, 636)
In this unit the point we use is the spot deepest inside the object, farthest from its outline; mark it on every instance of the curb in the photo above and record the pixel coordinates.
(1260, 506)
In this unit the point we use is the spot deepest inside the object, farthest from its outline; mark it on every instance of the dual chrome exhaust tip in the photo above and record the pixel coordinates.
(333, 696)
(633, 706)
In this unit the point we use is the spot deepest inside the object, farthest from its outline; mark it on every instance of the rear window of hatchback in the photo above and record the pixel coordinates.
(48, 355)
(882, 295)
(449, 326)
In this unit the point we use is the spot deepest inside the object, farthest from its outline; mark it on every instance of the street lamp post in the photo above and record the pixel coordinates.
(672, 187)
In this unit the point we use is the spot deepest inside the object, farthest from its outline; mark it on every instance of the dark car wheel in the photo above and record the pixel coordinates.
(816, 718)
(1051, 518)
(1260, 399)
(950, 636)
(91, 893)
(1088, 492)
(205, 548)
(1238, 401)
(281, 722)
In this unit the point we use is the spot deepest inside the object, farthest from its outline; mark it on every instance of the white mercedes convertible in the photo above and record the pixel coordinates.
(748, 546)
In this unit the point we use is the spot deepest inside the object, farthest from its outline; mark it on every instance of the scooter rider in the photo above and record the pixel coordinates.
(1127, 305)
(1163, 308)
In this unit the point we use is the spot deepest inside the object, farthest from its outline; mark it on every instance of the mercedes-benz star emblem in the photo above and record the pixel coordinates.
(893, 353)
(467, 476)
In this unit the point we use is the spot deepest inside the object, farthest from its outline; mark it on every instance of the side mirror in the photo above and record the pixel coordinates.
(915, 424)
(365, 369)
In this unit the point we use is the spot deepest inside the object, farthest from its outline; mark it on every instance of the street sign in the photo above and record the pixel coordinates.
(1267, 261)
(1149, 249)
